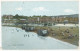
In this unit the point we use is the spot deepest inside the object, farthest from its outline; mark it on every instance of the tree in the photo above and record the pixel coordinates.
(16, 16)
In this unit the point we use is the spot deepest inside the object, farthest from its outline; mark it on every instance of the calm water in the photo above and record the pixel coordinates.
(13, 38)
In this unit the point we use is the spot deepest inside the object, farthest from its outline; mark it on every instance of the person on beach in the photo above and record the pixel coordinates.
(67, 30)
(63, 33)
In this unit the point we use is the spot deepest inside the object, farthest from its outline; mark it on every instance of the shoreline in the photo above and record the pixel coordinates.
(64, 42)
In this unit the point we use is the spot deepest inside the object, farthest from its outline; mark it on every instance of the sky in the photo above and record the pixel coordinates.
(30, 8)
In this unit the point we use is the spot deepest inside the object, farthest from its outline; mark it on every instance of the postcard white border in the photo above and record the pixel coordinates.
(37, 50)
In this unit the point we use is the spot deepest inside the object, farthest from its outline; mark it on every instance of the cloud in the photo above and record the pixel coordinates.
(69, 11)
(40, 9)
(20, 8)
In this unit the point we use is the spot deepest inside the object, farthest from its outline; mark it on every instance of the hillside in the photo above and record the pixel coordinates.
(73, 15)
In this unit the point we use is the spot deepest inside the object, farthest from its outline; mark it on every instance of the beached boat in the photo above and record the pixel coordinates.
(42, 32)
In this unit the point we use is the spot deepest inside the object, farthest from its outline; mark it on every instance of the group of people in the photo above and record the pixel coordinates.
(26, 35)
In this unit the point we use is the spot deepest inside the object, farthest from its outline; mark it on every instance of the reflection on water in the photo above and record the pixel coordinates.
(42, 37)
(16, 38)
